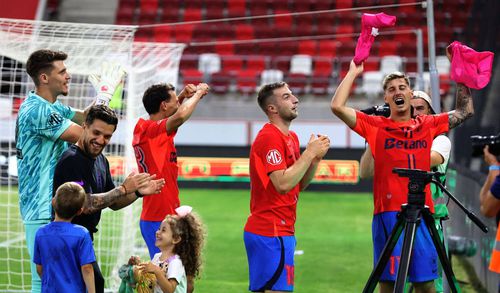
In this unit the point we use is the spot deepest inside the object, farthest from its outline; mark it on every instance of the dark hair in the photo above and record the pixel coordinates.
(191, 231)
(69, 199)
(42, 61)
(156, 94)
(103, 113)
(266, 92)
(395, 75)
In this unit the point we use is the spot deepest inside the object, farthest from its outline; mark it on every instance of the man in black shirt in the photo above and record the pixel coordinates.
(85, 164)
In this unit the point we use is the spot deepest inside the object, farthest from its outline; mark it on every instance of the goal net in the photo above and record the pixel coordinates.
(87, 46)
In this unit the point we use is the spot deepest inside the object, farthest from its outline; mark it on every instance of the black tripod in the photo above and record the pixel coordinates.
(408, 219)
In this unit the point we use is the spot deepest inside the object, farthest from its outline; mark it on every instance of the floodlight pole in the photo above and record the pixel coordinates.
(436, 97)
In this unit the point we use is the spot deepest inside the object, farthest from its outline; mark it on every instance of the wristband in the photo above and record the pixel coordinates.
(138, 194)
(494, 167)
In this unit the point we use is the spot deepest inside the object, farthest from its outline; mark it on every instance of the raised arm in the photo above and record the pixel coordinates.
(186, 108)
(285, 180)
(464, 108)
(339, 99)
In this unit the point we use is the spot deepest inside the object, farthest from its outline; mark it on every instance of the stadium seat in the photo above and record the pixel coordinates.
(270, 76)
(343, 4)
(322, 5)
(246, 81)
(209, 63)
(297, 83)
(170, 15)
(220, 82)
(281, 63)
(389, 64)
(232, 63)
(322, 67)
(326, 21)
(244, 32)
(162, 33)
(407, 7)
(214, 12)
(268, 48)
(303, 5)
(192, 14)
(236, 8)
(148, 7)
(246, 48)
(256, 63)
(388, 48)
(304, 30)
(193, 76)
(371, 64)
(345, 33)
(320, 84)
(224, 48)
(192, 4)
(183, 33)
(328, 48)
(301, 64)
(308, 47)
(278, 4)
(284, 21)
(125, 15)
(189, 62)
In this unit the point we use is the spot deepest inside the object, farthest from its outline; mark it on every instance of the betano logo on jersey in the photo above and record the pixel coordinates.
(393, 143)
(273, 157)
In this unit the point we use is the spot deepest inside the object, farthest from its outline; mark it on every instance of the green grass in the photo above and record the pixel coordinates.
(333, 230)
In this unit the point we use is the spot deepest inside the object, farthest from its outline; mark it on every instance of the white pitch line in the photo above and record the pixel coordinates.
(12, 241)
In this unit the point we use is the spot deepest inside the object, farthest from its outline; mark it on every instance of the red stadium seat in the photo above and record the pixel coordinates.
(256, 63)
(192, 4)
(327, 21)
(328, 48)
(192, 14)
(323, 5)
(281, 63)
(278, 4)
(371, 64)
(214, 12)
(304, 19)
(162, 34)
(308, 47)
(220, 82)
(284, 21)
(247, 81)
(193, 76)
(236, 8)
(224, 48)
(388, 48)
(297, 83)
(149, 6)
(345, 34)
(189, 62)
(244, 32)
(343, 4)
(183, 33)
(322, 67)
(303, 5)
(305, 30)
(232, 64)
(320, 84)
(170, 15)
(246, 48)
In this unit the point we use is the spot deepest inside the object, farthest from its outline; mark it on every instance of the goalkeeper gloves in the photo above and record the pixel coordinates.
(107, 81)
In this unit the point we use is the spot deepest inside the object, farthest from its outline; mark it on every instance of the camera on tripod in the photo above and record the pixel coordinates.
(479, 142)
(378, 110)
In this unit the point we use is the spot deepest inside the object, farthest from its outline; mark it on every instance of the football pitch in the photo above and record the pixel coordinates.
(333, 231)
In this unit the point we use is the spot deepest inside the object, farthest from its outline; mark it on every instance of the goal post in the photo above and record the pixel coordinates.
(87, 46)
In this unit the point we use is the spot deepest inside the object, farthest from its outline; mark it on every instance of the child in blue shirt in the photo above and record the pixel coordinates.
(63, 251)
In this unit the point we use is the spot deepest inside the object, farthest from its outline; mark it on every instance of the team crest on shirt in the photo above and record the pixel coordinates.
(273, 157)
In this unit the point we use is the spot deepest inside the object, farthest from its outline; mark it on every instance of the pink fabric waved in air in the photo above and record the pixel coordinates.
(370, 23)
(470, 67)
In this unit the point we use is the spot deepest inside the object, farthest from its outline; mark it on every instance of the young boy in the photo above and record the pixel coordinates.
(63, 251)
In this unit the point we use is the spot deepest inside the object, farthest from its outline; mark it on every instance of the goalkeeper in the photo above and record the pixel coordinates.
(44, 127)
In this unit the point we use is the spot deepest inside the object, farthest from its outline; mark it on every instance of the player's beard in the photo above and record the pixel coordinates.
(91, 150)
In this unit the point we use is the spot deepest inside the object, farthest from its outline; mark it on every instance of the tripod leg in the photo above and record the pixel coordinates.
(443, 258)
(404, 263)
(385, 255)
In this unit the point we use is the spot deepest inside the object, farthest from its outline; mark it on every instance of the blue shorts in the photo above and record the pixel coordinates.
(148, 231)
(270, 262)
(424, 259)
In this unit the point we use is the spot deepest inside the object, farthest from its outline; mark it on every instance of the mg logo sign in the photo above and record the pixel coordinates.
(273, 157)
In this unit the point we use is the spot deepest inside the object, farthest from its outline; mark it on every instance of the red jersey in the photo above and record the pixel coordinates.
(399, 145)
(272, 214)
(155, 153)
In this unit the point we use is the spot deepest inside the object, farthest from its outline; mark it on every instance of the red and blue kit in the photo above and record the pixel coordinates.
(271, 213)
(155, 153)
(398, 145)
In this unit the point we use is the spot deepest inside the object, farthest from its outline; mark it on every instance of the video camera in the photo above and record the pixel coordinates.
(479, 142)
(378, 110)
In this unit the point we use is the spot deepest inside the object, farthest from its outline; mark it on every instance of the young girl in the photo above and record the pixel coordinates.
(180, 240)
